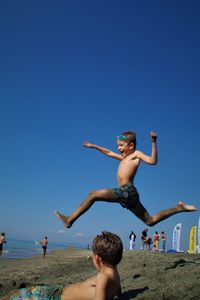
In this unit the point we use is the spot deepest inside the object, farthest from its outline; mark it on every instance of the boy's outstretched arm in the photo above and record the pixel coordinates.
(103, 150)
(152, 160)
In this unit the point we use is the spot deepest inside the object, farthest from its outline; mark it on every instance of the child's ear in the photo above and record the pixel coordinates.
(98, 259)
(132, 145)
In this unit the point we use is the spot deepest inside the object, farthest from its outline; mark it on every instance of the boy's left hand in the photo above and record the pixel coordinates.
(153, 136)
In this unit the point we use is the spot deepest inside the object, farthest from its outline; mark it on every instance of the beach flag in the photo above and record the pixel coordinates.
(193, 237)
(198, 248)
(176, 241)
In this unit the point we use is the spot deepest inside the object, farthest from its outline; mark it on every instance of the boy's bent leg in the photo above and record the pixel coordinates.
(164, 214)
(107, 195)
(142, 213)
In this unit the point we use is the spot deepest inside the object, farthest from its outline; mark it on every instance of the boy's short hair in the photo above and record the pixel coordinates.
(109, 247)
(128, 136)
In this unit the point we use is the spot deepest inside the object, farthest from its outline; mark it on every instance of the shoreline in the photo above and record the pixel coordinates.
(27, 249)
(144, 275)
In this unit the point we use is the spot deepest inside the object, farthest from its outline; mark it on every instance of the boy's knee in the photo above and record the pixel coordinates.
(150, 222)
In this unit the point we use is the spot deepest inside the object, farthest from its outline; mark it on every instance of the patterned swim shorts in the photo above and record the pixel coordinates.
(39, 292)
(127, 196)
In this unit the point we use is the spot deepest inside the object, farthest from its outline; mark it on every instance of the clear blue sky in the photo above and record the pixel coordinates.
(88, 70)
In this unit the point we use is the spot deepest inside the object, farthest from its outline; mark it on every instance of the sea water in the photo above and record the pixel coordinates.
(25, 249)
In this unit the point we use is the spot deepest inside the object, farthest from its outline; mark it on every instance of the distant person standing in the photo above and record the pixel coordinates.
(44, 244)
(163, 239)
(144, 238)
(156, 239)
(132, 238)
(2, 241)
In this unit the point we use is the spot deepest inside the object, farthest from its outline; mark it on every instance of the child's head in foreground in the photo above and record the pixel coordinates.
(108, 247)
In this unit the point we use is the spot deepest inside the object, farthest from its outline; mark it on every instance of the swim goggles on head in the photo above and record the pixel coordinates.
(122, 138)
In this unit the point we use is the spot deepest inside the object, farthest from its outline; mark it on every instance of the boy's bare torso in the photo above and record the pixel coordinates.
(93, 287)
(127, 169)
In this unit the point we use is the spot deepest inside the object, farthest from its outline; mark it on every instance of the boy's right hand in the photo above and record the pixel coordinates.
(87, 145)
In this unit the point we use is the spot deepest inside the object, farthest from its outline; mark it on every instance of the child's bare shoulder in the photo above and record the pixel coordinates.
(138, 154)
(103, 279)
(107, 278)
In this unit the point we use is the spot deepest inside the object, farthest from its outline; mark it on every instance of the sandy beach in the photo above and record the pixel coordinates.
(144, 275)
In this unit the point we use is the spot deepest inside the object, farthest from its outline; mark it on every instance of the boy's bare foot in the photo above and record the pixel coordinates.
(185, 207)
(64, 219)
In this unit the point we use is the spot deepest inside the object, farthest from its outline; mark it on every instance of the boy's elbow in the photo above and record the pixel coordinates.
(153, 161)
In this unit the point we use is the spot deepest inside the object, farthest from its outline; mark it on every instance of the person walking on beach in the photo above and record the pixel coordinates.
(107, 253)
(2, 241)
(44, 244)
(132, 238)
(126, 194)
(163, 239)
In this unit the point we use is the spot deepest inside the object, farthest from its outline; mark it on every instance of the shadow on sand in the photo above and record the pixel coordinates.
(132, 293)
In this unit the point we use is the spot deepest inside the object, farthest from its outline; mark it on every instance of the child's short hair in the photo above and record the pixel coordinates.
(109, 247)
(128, 136)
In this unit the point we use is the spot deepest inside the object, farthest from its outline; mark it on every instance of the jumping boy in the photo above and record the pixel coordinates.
(107, 253)
(126, 194)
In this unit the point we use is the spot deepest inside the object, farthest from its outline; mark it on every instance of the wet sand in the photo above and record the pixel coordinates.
(144, 275)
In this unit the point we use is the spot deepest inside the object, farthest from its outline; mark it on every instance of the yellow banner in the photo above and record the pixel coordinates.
(193, 234)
